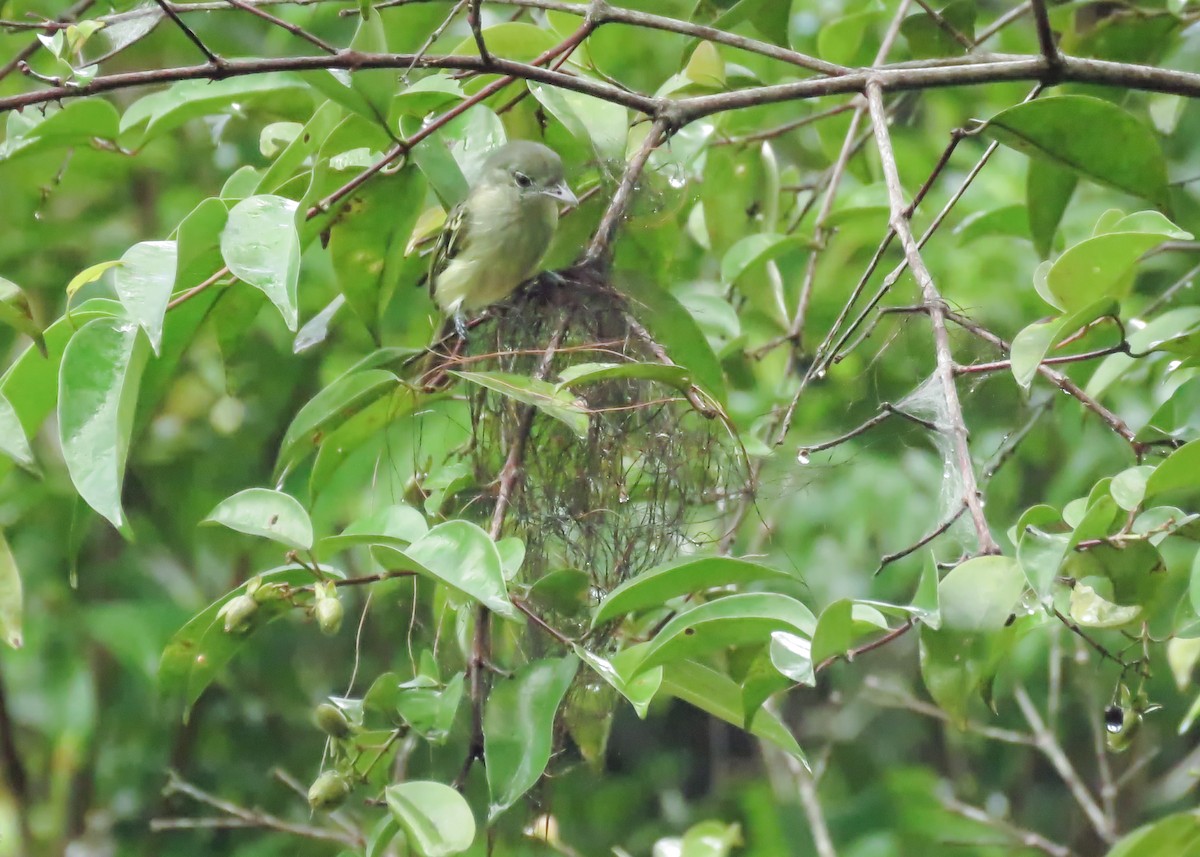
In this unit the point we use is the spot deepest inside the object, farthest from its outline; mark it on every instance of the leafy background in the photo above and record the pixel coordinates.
(732, 217)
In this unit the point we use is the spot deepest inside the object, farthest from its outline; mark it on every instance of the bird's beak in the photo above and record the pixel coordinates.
(562, 193)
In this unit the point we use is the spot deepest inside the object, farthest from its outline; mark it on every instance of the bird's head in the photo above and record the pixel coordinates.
(531, 168)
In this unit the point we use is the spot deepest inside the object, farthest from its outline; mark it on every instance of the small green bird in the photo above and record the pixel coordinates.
(494, 239)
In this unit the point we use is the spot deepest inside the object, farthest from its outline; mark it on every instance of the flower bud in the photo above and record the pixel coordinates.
(328, 791)
(237, 613)
(331, 720)
(328, 611)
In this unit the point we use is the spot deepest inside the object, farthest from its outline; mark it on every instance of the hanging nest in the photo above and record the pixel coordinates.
(632, 482)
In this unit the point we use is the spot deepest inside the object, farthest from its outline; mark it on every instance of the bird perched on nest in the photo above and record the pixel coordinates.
(494, 239)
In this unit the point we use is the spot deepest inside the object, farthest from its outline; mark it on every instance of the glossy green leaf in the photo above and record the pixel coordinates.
(1141, 336)
(1090, 610)
(658, 585)
(263, 512)
(589, 373)
(368, 241)
(1041, 550)
(754, 250)
(834, 633)
(342, 441)
(604, 126)
(436, 819)
(979, 594)
(333, 406)
(396, 525)
(1180, 472)
(1099, 267)
(11, 600)
(735, 620)
(303, 146)
(97, 394)
(1177, 835)
(261, 246)
(462, 556)
(1048, 191)
(156, 114)
(720, 696)
(1030, 345)
(1095, 138)
(518, 728)
(1129, 486)
(638, 689)
(544, 396)
(13, 442)
(143, 281)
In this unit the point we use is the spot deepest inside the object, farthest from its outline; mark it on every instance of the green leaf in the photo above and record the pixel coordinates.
(263, 512)
(1010, 221)
(1048, 191)
(1129, 486)
(1101, 266)
(979, 594)
(391, 526)
(1180, 472)
(422, 97)
(1040, 552)
(1029, 347)
(929, 39)
(721, 697)
(198, 245)
(656, 586)
(544, 396)
(705, 66)
(163, 111)
(437, 820)
(1177, 835)
(669, 322)
(367, 242)
(462, 556)
(834, 633)
(639, 689)
(333, 406)
(518, 728)
(261, 246)
(589, 373)
(302, 147)
(344, 440)
(198, 650)
(735, 620)
(16, 313)
(97, 394)
(1090, 610)
(1095, 138)
(754, 250)
(1141, 338)
(10, 596)
(13, 442)
(143, 282)
(602, 125)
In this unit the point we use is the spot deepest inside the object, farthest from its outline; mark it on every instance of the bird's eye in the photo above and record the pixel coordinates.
(522, 180)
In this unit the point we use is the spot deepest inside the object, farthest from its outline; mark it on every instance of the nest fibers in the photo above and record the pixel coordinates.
(633, 484)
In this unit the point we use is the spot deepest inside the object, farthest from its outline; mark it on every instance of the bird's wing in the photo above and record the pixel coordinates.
(449, 244)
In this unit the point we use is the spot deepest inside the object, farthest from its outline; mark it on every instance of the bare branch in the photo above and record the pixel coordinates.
(170, 12)
(295, 30)
(937, 319)
(1019, 835)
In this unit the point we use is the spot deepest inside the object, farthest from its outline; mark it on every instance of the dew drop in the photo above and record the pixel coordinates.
(802, 456)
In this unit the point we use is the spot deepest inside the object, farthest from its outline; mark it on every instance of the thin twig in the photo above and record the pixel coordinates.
(286, 25)
(1048, 744)
(1041, 20)
(170, 12)
(937, 320)
(1019, 835)
(889, 558)
(29, 50)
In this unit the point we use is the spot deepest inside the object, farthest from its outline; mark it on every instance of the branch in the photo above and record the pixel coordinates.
(241, 817)
(1045, 741)
(1019, 835)
(170, 12)
(1041, 20)
(602, 13)
(937, 319)
(599, 252)
(286, 25)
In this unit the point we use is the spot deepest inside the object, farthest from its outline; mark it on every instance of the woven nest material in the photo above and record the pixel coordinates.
(636, 489)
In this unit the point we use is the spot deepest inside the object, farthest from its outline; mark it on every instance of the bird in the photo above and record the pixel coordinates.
(495, 238)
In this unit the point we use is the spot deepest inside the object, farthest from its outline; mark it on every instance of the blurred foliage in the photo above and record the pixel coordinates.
(697, 632)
